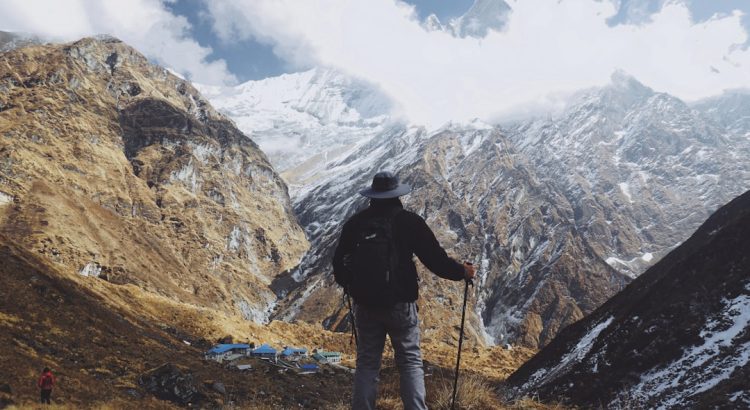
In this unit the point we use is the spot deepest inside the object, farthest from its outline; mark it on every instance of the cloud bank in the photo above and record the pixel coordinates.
(145, 24)
(548, 48)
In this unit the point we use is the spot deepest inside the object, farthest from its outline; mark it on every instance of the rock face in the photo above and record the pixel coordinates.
(114, 168)
(486, 205)
(559, 213)
(677, 337)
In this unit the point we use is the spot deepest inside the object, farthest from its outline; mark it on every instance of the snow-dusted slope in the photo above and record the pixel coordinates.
(554, 210)
(641, 168)
(730, 109)
(677, 337)
(296, 117)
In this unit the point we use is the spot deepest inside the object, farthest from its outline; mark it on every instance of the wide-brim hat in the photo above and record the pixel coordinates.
(385, 185)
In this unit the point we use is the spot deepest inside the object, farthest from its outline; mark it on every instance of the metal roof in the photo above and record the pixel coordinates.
(221, 348)
(264, 349)
(329, 354)
(292, 350)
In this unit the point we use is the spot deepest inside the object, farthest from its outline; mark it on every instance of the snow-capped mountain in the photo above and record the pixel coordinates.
(557, 211)
(677, 337)
(641, 168)
(301, 116)
(481, 18)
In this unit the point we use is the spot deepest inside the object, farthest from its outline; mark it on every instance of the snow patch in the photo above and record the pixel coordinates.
(702, 367)
(203, 152)
(625, 188)
(92, 269)
(575, 355)
(188, 175)
(5, 199)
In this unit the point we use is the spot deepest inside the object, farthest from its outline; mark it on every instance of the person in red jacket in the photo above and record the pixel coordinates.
(46, 383)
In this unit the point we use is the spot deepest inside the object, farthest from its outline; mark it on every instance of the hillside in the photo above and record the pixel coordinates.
(677, 337)
(102, 339)
(116, 169)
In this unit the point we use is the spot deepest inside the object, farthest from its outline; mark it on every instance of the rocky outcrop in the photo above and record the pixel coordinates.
(169, 382)
(116, 169)
(677, 337)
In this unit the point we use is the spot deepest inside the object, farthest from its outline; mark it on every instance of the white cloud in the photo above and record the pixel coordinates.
(144, 24)
(548, 48)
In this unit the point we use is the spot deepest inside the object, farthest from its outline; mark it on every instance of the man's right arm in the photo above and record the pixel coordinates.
(432, 255)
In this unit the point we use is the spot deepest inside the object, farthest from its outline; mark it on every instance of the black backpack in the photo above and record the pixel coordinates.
(374, 262)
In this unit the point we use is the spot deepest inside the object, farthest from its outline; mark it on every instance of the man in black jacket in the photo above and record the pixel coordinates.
(411, 236)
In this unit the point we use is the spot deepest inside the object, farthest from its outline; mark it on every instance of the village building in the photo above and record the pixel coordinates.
(264, 351)
(223, 352)
(293, 353)
(309, 368)
(327, 357)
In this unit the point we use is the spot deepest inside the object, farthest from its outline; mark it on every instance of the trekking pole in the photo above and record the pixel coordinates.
(351, 320)
(460, 342)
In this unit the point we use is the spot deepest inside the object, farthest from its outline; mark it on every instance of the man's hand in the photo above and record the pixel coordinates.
(469, 271)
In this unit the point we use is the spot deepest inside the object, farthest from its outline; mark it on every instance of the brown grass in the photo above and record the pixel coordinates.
(474, 392)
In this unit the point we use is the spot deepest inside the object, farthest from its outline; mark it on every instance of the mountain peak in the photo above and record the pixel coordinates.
(482, 16)
(432, 23)
(622, 81)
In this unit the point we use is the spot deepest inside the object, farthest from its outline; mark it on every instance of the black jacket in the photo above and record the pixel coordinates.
(412, 236)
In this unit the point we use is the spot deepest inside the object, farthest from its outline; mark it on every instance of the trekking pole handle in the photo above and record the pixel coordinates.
(470, 281)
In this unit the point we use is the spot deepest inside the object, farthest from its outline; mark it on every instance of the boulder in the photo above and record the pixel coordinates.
(169, 382)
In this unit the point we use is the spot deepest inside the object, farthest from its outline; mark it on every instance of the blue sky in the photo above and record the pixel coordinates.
(692, 49)
(252, 60)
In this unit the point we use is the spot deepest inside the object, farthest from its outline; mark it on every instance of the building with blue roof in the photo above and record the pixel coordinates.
(309, 368)
(264, 351)
(293, 352)
(223, 352)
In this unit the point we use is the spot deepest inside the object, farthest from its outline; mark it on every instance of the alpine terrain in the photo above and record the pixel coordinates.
(139, 227)
(559, 212)
(677, 337)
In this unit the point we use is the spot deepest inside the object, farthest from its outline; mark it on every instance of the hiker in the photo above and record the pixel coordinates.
(373, 263)
(46, 383)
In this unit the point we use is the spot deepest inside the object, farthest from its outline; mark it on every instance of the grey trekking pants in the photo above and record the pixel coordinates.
(402, 325)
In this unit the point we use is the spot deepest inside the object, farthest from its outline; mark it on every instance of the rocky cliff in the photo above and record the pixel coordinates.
(486, 205)
(116, 169)
(677, 337)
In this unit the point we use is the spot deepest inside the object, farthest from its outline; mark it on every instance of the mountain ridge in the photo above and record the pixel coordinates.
(685, 319)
